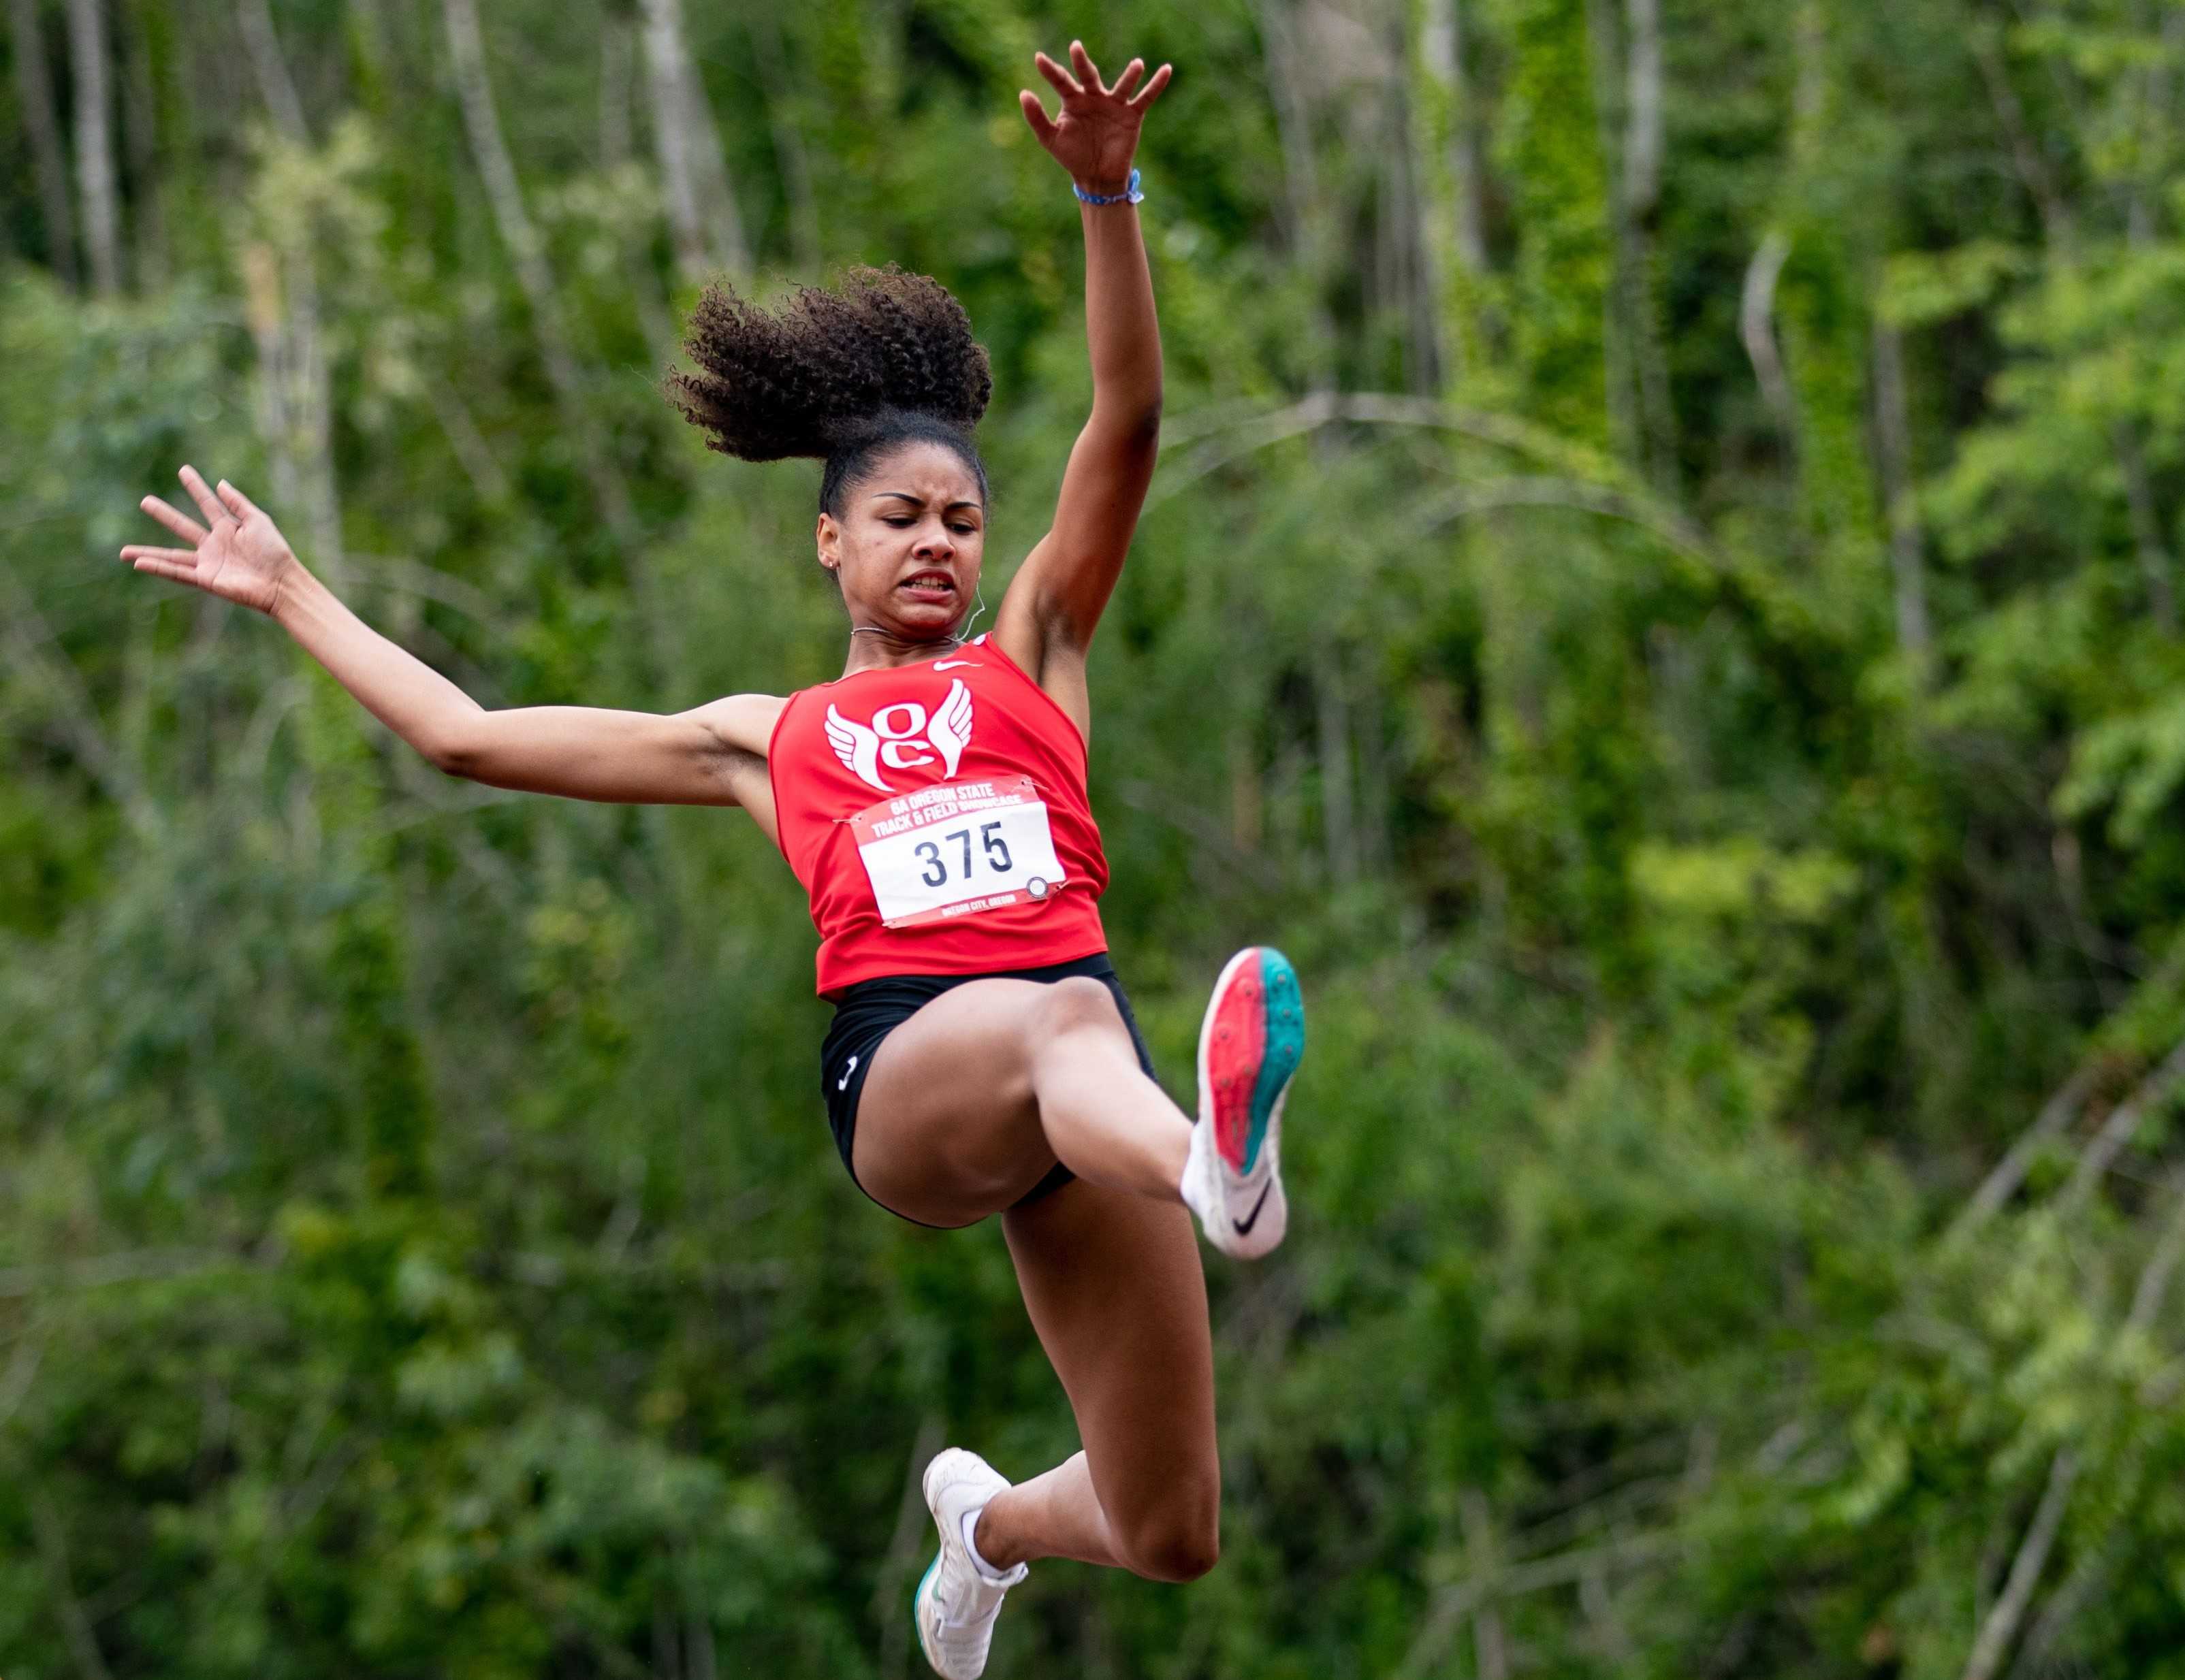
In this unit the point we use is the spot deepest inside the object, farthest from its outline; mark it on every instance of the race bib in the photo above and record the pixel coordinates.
(956, 850)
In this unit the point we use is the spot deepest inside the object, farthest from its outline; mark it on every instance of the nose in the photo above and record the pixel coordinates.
(934, 543)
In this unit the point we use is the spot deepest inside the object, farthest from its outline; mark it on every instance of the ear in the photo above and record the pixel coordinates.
(829, 541)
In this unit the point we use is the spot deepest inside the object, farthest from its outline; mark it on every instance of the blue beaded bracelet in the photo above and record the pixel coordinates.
(1129, 195)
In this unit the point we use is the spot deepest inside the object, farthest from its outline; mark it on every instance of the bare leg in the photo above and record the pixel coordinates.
(1057, 1515)
(967, 1105)
(1114, 1286)
(972, 1102)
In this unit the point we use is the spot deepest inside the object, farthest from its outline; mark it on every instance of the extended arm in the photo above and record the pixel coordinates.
(1046, 622)
(712, 755)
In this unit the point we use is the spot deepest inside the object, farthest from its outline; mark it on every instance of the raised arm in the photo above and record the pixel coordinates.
(715, 755)
(1047, 620)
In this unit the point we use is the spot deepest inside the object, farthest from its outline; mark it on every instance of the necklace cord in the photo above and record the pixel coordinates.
(957, 639)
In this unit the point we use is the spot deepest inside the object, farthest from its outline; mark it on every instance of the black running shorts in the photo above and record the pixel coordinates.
(867, 1011)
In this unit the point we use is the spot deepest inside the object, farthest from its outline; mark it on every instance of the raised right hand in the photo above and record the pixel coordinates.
(242, 557)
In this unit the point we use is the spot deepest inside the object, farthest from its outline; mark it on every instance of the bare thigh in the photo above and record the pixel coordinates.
(1115, 1288)
(947, 1130)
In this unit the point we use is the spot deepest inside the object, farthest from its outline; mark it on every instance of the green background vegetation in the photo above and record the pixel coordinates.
(1661, 594)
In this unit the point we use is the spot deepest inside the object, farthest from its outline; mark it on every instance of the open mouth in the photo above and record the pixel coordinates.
(928, 586)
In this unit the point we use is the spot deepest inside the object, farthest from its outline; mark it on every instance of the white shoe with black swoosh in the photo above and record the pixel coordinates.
(1250, 1046)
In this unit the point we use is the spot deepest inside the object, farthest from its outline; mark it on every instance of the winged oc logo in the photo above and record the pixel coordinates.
(900, 735)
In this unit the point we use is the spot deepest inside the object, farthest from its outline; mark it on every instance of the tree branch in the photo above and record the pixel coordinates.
(2161, 1265)
(1996, 1632)
(2116, 1130)
(2086, 1579)
(133, 1266)
(1580, 498)
(32, 645)
(1457, 1601)
(1756, 326)
(1893, 437)
(2002, 1183)
(22, 1371)
(67, 1609)
(2002, 1623)
(2026, 157)
(903, 1549)
(1596, 487)
(1257, 429)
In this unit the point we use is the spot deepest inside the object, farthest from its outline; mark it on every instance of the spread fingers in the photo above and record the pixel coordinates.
(1065, 83)
(178, 565)
(201, 493)
(174, 519)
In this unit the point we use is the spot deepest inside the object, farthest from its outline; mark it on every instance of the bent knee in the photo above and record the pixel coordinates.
(1078, 1002)
(1178, 1546)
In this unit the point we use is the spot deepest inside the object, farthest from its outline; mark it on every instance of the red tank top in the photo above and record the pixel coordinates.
(936, 816)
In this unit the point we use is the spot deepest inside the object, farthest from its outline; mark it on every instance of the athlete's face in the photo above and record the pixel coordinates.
(909, 544)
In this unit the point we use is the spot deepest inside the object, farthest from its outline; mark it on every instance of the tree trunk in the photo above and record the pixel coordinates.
(1643, 148)
(34, 91)
(255, 19)
(1442, 51)
(280, 290)
(1376, 851)
(701, 204)
(1892, 434)
(1338, 816)
(1489, 1648)
(1642, 145)
(616, 146)
(149, 256)
(617, 79)
(295, 395)
(1756, 326)
(1304, 224)
(94, 144)
(1247, 797)
(466, 50)
(1404, 211)
(1604, 35)
(788, 144)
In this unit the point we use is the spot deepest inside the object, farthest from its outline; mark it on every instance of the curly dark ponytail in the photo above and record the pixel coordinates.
(883, 358)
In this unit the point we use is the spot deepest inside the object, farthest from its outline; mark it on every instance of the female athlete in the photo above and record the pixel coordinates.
(983, 1058)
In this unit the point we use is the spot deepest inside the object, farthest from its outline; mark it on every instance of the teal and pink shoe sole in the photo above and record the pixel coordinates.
(1251, 1043)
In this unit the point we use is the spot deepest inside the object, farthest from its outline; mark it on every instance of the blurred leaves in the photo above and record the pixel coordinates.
(420, 1248)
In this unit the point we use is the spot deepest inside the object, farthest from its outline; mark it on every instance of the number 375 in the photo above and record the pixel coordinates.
(997, 851)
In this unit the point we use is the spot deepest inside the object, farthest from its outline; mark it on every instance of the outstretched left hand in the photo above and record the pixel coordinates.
(1097, 134)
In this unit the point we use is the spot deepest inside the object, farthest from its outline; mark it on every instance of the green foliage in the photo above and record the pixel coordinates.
(421, 1251)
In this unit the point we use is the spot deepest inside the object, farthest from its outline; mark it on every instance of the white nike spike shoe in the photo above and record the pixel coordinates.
(957, 1603)
(1250, 1045)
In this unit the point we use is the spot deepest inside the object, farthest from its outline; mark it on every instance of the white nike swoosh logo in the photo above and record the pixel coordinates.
(843, 1083)
(951, 664)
